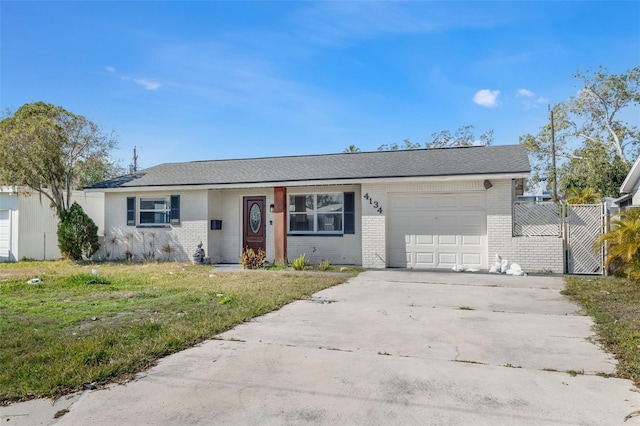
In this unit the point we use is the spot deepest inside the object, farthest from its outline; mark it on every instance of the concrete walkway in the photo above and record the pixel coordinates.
(387, 347)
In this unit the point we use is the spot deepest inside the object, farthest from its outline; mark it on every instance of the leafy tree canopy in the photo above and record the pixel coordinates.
(594, 144)
(464, 136)
(53, 151)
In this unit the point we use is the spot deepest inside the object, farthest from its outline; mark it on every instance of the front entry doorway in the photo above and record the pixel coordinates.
(253, 234)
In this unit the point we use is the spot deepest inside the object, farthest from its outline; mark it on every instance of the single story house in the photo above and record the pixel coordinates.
(629, 189)
(431, 208)
(29, 225)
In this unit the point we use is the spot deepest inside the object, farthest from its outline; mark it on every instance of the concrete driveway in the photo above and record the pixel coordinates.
(387, 347)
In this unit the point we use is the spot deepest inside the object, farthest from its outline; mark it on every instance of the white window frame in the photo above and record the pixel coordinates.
(166, 211)
(316, 214)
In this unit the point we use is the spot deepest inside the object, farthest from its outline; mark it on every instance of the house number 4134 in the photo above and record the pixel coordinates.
(373, 203)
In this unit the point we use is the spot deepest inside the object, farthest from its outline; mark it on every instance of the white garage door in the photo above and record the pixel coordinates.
(5, 235)
(438, 230)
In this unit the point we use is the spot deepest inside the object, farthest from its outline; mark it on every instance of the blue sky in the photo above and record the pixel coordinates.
(203, 80)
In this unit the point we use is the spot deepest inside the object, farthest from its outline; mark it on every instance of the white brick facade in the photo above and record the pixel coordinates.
(374, 226)
(368, 246)
(199, 207)
(183, 239)
(534, 254)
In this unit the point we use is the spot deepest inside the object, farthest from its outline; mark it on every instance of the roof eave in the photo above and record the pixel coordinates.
(632, 178)
(315, 182)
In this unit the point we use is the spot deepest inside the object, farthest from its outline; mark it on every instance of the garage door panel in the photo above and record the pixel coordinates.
(471, 259)
(402, 203)
(447, 240)
(437, 230)
(472, 202)
(471, 240)
(425, 258)
(447, 258)
(446, 202)
(425, 240)
(448, 222)
(424, 203)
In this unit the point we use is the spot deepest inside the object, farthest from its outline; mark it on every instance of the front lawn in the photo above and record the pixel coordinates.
(614, 304)
(77, 327)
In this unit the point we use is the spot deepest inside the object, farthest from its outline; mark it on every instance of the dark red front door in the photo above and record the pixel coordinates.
(253, 234)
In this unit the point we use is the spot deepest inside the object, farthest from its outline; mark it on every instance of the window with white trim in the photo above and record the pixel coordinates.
(154, 211)
(316, 213)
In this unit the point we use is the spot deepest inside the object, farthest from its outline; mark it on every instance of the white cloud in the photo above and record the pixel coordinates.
(531, 99)
(487, 98)
(149, 85)
(110, 69)
(525, 93)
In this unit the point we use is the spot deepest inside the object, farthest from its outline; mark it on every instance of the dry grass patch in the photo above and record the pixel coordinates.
(77, 327)
(614, 304)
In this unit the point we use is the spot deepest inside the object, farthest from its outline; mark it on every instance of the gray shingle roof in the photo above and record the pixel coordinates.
(353, 166)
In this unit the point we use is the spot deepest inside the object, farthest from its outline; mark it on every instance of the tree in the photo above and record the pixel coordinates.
(594, 146)
(77, 234)
(599, 104)
(351, 149)
(464, 136)
(593, 166)
(53, 151)
(407, 144)
(583, 196)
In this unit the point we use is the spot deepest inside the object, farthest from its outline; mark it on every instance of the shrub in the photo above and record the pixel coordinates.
(325, 265)
(299, 263)
(253, 259)
(623, 244)
(77, 234)
(167, 249)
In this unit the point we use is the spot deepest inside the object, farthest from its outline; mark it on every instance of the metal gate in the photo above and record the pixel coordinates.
(583, 224)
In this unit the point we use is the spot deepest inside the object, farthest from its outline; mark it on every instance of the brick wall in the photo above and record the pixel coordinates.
(534, 254)
(374, 226)
(183, 239)
(368, 246)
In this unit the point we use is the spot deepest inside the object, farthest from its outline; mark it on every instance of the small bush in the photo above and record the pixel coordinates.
(300, 263)
(325, 265)
(85, 279)
(623, 244)
(167, 249)
(253, 259)
(77, 234)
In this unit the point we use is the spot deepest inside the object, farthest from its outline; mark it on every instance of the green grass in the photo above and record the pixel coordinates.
(614, 305)
(76, 327)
